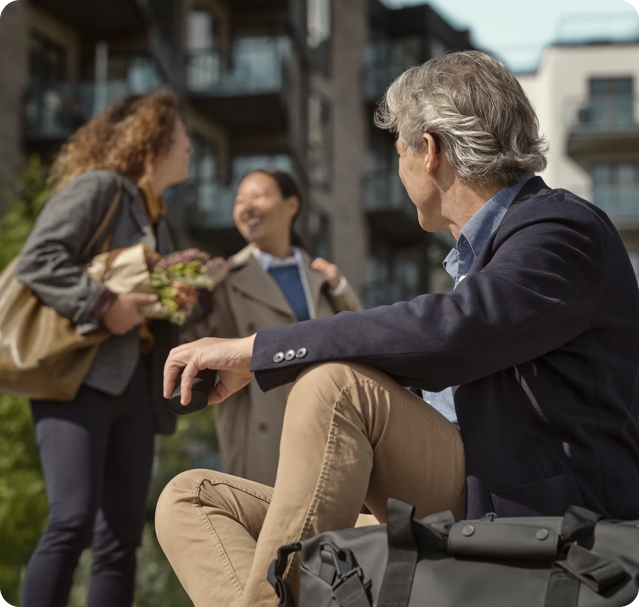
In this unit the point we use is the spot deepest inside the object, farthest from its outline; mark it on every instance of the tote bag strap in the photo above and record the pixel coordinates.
(106, 221)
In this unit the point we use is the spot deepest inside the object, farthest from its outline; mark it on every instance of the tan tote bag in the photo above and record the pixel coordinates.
(42, 356)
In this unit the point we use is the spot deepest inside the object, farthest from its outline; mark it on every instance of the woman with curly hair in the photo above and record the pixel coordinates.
(97, 450)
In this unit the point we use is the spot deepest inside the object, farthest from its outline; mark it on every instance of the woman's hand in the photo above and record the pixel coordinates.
(218, 269)
(329, 271)
(231, 358)
(124, 315)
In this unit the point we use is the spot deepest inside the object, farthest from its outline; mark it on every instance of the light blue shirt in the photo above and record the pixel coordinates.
(472, 240)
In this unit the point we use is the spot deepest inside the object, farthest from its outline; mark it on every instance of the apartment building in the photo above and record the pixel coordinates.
(285, 83)
(585, 94)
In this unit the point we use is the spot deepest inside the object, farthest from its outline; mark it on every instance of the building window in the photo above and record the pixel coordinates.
(611, 103)
(437, 47)
(392, 275)
(204, 59)
(47, 62)
(320, 231)
(204, 184)
(387, 58)
(211, 200)
(319, 31)
(616, 188)
(319, 141)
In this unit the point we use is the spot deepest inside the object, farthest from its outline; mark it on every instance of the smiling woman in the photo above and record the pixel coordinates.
(272, 282)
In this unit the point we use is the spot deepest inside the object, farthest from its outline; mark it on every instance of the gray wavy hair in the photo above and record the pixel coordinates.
(477, 108)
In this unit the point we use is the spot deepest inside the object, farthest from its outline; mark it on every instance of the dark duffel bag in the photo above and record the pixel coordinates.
(574, 561)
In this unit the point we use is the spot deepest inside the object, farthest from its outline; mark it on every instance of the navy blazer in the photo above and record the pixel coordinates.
(542, 341)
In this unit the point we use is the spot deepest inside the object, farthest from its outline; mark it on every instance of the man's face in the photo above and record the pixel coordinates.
(413, 171)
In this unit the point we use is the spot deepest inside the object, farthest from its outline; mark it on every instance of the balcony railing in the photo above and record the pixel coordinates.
(378, 77)
(621, 203)
(56, 112)
(604, 115)
(257, 66)
(385, 192)
(211, 205)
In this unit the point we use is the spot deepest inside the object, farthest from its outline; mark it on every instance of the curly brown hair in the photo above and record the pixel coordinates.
(127, 137)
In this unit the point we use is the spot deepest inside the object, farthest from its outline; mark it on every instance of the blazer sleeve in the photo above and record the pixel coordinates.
(538, 291)
(50, 263)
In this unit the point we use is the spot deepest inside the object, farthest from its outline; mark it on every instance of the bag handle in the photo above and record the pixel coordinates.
(106, 221)
(402, 555)
(275, 575)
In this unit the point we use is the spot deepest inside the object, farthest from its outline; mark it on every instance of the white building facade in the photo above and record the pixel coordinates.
(587, 100)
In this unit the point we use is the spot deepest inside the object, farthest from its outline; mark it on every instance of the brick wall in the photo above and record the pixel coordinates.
(13, 73)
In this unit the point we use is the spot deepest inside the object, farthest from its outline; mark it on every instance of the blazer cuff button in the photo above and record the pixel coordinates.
(290, 355)
(301, 353)
(279, 357)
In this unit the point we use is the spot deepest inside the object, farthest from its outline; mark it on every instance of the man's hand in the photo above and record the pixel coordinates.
(124, 315)
(231, 358)
(329, 271)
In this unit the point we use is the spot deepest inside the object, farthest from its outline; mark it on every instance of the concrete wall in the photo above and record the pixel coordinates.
(13, 74)
(342, 202)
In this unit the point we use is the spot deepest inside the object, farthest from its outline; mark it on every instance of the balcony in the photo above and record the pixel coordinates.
(602, 127)
(387, 293)
(380, 75)
(53, 114)
(98, 19)
(621, 203)
(209, 216)
(389, 208)
(250, 94)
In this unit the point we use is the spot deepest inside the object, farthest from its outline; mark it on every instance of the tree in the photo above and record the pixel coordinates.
(23, 501)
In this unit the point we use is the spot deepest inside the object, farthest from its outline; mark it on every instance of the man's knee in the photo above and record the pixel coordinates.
(175, 502)
(313, 399)
(326, 380)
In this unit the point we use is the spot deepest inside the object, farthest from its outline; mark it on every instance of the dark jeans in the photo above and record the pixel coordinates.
(96, 454)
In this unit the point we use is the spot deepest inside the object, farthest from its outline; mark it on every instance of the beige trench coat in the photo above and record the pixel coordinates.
(249, 423)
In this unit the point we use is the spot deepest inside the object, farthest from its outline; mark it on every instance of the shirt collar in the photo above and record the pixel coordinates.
(267, 261)
(483, 224)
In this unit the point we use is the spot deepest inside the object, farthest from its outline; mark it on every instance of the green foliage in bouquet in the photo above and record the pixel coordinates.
(177, 279)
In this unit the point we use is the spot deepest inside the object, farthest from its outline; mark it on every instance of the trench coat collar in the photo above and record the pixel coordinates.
(249, 277)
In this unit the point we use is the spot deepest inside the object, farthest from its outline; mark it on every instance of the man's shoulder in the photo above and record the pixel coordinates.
(561, 206)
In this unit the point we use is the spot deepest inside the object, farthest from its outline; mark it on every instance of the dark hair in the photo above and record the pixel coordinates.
(288, 187)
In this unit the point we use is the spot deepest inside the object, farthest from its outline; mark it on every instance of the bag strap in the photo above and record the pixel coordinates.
(580, 565)
(106, 221)
(578, 523)
(402, 555)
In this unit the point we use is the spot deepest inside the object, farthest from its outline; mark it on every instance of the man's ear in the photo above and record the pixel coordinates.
(432, 158)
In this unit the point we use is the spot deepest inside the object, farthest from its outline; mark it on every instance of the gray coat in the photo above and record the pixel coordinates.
(50, 264)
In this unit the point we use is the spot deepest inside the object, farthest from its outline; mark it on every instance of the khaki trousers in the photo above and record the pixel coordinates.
(351, 435)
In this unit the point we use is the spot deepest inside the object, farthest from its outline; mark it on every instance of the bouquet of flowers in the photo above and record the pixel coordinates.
(176, 279)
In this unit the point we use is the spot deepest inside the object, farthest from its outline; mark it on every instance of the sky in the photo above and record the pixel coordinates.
(517, 30)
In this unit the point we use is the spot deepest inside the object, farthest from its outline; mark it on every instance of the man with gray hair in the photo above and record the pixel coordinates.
(528, 366)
